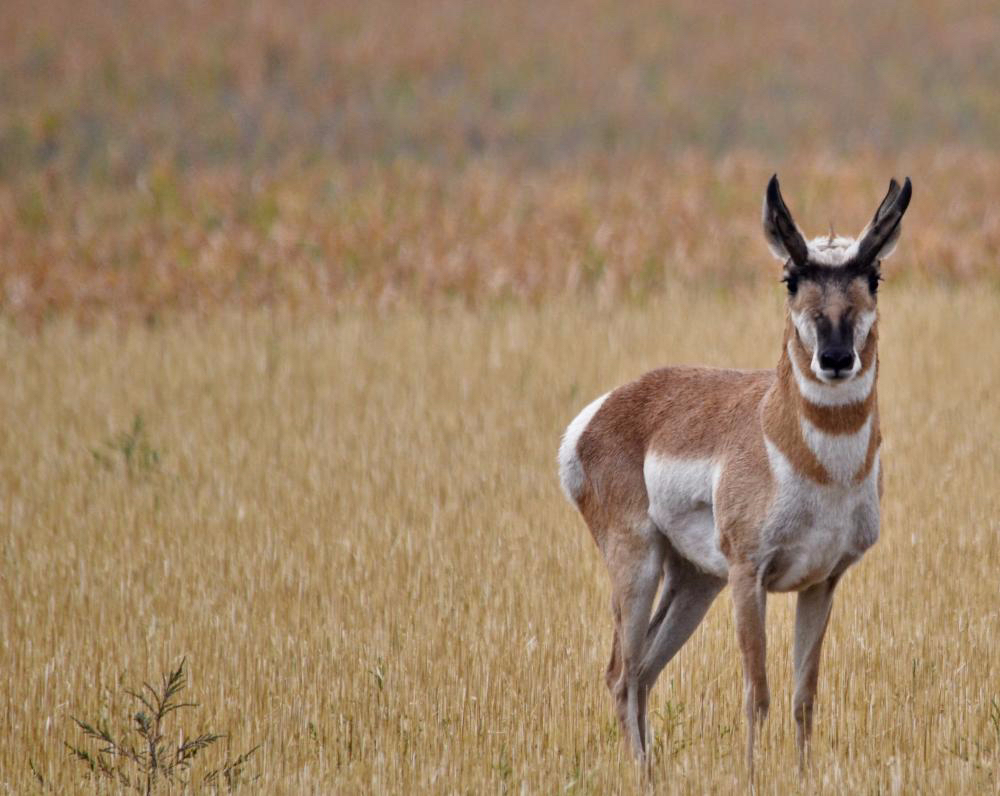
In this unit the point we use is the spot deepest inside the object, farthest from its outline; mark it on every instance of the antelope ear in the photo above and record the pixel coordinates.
(783, 237)
(879, 238)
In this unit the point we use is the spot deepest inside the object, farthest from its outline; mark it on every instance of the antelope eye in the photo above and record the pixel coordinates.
(792, 283)
(874, 277)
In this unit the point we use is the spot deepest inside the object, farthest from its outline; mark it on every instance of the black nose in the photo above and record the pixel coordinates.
(836, 359)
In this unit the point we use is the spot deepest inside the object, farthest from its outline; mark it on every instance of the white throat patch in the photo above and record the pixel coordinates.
(842, 455)
(852, 391)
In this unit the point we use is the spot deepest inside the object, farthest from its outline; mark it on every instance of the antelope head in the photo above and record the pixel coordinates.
(832, 282)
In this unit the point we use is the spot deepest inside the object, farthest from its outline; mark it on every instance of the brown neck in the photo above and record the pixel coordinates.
(790, 406)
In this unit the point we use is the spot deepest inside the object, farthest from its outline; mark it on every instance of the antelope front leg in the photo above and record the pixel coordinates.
(749, 601)
(812, 613)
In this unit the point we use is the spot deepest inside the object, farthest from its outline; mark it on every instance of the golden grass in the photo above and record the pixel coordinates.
(354, 533)
(380, 255)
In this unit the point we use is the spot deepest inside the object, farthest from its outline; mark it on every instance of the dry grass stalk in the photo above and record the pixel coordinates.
(381, 579)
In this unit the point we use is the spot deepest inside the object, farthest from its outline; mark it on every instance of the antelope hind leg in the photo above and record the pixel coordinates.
(635, 568)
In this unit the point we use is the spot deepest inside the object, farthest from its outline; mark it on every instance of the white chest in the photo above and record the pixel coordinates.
(814, 529)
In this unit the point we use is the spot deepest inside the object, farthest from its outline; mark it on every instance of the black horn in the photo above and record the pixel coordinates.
(883, 231)
(783, 236)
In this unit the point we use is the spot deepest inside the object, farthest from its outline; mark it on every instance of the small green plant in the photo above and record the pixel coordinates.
(504, 767)
(132, 448)
(144, 759)
(995, 720)
(378, 673)
(668, 723)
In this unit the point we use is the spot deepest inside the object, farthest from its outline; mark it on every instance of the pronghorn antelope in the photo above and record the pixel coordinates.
(766, 480)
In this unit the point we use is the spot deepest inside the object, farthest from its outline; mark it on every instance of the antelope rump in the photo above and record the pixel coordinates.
(767, 480)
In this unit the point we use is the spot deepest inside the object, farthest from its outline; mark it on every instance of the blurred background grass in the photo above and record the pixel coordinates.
(252, 207)
(181, 156)
(107, 90)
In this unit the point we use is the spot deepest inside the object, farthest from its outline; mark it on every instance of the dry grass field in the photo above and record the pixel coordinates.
(175, 156)
(352, 529)
(296, 299)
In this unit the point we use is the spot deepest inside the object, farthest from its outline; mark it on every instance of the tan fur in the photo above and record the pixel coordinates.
(672, 411)
(780, 415)
(679, 411)
(691, 467)
(874, 443)
(723, 415)
(832, 300)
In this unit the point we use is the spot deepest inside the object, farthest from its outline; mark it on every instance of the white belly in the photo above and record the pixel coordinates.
(814, 529)
(680, 505)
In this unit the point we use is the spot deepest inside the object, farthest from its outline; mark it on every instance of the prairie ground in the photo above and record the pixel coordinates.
(296, 299)
(351, 526)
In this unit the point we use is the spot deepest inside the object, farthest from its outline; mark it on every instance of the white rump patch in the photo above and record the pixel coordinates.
(680, 504)
(842, 455)
(850, 391)
(571, 474)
